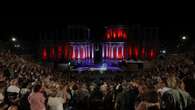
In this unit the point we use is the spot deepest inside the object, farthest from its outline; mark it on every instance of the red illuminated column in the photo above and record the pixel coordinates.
(70, 52)
(109, 51)
(124, 35)
(52, 53)
(122, 52)
(112, 54)
(88, 51)
(111, 34)
(92, 54)
(119, 52)
(120, 34)
(44, 54)
(81, 52)
(136, 52)
(74, 54)
(151, 54)
(117, 55)
(130, 52)
(84, 52)
(79, 55)
(66, 48)
(108, 35)
(143, 52)
(114, 35)
(125, 52)
(106, 51)
(102, 50)
(59, 52)
(114, 50)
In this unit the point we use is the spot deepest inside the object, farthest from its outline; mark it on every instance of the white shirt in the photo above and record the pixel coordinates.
(163, 90)
(55, 103)
(13, 88)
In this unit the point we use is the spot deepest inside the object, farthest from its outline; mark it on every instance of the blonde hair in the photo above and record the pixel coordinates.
(53, 93)
(172, 82)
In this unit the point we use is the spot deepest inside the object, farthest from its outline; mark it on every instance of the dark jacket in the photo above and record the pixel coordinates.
(126, 100)
(175, 99)
(24, 104)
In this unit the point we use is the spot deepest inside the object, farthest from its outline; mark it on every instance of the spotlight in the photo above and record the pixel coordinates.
(163, 51)
(13, 39)
(183, 37)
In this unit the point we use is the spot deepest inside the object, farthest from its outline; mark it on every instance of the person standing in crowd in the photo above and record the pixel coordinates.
(66, 96)
(131, 95)
(36, 98)
(45, 95)
(95, 98)
(107, 97)
(83, 97)
(149, 99)
(175, 98)
(13, 94)
(190, 88)
(73, 103)
(24, 93)
(55, 102)
(126, 98)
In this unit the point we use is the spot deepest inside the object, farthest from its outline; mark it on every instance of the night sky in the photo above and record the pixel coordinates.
(29, 27)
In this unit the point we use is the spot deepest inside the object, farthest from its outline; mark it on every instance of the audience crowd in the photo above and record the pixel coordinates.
(169, 85)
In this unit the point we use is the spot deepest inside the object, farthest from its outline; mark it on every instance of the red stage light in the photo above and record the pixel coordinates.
(130, 52)
(114, 35)
(143, 52)
(136, 52)
(119, 52)
(66, 51)
(44, 54)
(76, 52)
(117, 33)
(103, 54)
(71, 55)
(109, 52)
(89, 51)
(124, 35)
(84, 53)
(59, 52)
(108, 36)
(152, 54)
(81, 53)
(125, 52)
(120, 33)
(52, 53)
(114, 52)
(106, 50)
